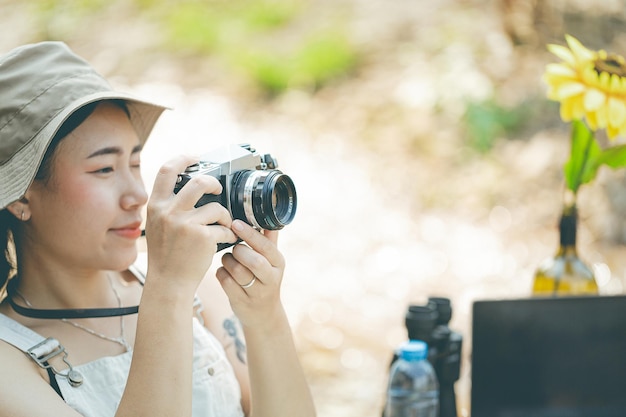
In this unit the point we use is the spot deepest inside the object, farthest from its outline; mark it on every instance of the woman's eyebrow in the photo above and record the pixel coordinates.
(115, 150)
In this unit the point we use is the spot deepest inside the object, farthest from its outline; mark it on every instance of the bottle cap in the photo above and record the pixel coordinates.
(414, 350)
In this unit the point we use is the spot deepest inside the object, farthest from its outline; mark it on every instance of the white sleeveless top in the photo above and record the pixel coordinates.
(216, 392)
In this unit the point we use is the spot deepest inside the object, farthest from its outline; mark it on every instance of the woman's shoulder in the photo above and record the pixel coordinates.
(17, 337)
(13, 359)
(21, 381)
(15, 340)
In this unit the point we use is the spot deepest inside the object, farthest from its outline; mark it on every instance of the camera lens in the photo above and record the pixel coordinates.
(265, 199)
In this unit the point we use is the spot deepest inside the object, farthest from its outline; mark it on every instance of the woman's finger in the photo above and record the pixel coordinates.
(264, 245)
(167, 175)
(232, 286)
(240, 273)
(212, 213)
(189, 195)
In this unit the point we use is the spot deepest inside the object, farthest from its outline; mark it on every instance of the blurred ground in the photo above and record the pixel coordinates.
(394, 206)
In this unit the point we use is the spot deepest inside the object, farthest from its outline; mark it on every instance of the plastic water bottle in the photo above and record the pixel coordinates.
(413, 389)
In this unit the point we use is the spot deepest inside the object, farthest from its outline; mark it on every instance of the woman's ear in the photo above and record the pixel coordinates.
(20, 209)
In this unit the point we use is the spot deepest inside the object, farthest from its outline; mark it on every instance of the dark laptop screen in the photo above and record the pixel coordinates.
(552, 357)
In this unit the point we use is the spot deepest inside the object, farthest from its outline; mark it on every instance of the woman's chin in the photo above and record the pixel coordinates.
(122, 261)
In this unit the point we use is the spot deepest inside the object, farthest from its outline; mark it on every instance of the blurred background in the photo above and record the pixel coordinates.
(427, 159)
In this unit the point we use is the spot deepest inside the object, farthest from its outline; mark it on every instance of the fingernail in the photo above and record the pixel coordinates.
(238, 225)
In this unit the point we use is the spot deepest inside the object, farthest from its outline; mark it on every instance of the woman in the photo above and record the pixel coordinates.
(71, 199)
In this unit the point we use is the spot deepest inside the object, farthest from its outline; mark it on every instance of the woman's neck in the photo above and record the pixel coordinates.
(55, 287)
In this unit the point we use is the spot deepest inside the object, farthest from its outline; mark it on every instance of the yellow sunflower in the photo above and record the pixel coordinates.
(590, 85)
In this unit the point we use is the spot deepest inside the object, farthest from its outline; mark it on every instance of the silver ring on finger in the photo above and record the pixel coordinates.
(249, 284)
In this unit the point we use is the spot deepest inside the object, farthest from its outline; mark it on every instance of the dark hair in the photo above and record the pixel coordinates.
(8, 222)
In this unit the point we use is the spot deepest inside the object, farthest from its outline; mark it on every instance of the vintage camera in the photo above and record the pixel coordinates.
(430, 323)
(253, 189)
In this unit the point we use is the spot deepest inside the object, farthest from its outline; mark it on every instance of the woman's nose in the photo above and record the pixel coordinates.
(134, 195)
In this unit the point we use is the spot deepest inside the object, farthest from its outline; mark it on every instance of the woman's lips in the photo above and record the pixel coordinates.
(132, 231)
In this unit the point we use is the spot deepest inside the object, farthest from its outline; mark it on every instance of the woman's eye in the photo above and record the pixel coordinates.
(104, 170)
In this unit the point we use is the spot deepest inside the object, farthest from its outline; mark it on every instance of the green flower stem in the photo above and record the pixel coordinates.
(586, 157)
(587, 142)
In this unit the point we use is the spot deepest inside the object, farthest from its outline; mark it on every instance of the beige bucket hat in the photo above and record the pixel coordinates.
(41, 85)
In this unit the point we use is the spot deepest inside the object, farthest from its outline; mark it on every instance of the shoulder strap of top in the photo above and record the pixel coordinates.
(138, 272)
(34, 345)
(139, 267)
(17, 335)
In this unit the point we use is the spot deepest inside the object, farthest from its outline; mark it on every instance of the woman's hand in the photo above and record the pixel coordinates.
(181, 238)
(278, 386)
(182, 241)
(251, 276)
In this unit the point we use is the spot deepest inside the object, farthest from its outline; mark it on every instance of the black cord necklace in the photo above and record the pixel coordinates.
(71, 313)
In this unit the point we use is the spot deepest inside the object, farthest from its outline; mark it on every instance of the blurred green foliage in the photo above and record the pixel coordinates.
(487, 121)
(274, 44)
(268, 41)
(318, 59)
(52, 6)
(206, 27)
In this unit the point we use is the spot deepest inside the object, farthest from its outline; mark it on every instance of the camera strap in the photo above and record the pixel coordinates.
(79, 313)
(72, 313)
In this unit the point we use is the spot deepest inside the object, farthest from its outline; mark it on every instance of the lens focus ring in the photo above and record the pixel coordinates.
(265, 199)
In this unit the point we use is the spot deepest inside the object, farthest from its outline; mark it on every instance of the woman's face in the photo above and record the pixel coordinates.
(89, 211)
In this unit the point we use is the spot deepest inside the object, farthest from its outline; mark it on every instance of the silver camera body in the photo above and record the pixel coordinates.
(254, 190)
